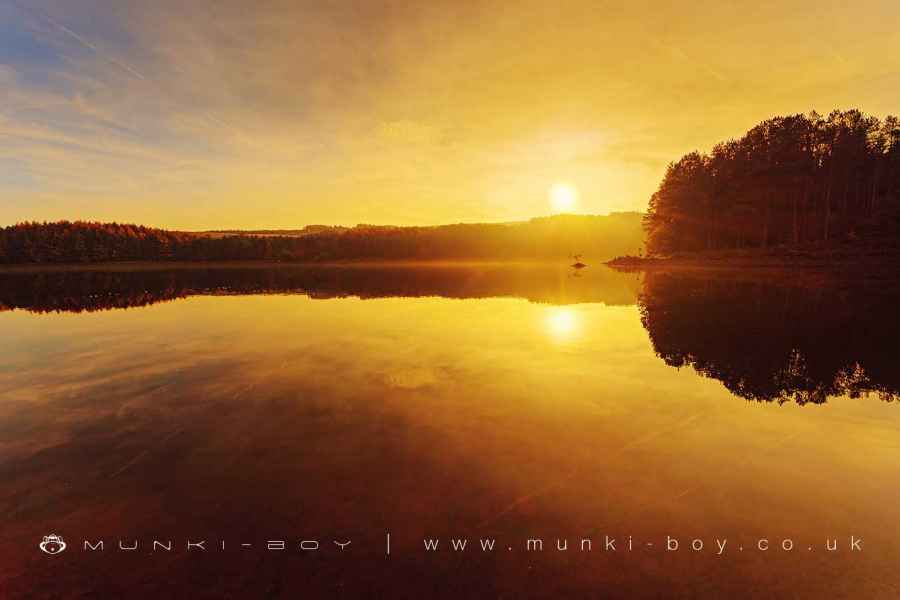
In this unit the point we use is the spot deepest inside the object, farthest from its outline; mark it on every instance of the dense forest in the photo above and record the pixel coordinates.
(548, 238)
(790, 181)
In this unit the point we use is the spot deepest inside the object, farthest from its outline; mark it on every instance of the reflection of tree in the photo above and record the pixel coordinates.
(90, 290)
(776, 342)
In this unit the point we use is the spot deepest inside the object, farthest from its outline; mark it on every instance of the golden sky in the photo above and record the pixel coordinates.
(201, 114)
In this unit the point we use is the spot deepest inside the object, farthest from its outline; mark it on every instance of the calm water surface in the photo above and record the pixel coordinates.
(246, 405)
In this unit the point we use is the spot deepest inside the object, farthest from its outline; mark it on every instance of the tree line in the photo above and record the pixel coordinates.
(597, 237)
(791, 180)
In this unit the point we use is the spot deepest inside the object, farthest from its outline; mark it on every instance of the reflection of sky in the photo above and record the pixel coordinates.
(413, 412)
(562, 322)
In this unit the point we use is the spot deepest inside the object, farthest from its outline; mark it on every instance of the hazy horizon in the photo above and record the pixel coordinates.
(526, 219)
(301, 226)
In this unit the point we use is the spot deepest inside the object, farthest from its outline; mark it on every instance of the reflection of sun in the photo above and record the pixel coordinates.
(563, 197)
(562, 323)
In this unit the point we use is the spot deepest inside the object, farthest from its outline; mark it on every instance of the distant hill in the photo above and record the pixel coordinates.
(308, 230)
(597, 238)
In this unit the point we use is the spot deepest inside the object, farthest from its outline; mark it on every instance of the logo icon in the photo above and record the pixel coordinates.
(52, 544)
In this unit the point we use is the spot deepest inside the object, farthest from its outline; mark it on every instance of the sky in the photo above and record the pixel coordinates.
(221, 114)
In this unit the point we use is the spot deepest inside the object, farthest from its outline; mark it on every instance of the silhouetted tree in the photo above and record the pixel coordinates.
(788, 180)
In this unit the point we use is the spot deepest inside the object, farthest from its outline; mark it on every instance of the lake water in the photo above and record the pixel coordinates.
(248, 405)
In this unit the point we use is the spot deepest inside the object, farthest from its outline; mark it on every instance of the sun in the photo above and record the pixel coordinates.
(563, 197)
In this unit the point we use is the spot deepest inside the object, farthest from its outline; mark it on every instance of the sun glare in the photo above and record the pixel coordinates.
(561, 323)
(563, 197)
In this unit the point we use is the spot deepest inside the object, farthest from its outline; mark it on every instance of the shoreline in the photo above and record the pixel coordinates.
(860, 264)
(730, 261)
